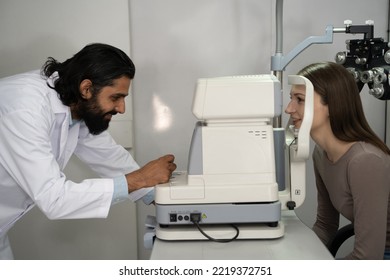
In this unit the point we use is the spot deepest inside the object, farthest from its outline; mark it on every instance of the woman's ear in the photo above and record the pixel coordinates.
(85, 89)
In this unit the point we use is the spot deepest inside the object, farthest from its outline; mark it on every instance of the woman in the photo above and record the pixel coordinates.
(351, 164)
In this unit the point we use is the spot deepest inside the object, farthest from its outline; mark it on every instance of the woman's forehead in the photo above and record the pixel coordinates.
(298, 88)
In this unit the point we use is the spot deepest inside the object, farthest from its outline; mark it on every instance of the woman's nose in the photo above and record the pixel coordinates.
(290, 108)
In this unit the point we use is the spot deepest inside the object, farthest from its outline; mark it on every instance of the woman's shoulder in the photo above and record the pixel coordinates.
(365, 153)
(364, 148)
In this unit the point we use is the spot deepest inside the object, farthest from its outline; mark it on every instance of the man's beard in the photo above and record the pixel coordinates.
(93, 116)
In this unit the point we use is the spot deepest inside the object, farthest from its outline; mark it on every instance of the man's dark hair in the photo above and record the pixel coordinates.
(100, 63)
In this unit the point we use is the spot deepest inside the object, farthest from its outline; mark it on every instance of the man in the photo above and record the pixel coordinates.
(46, 117)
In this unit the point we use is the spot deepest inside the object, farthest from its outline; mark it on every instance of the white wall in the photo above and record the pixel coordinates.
(175, 42)
(30, 32)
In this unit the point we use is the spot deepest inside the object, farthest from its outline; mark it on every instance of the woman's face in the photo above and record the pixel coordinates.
(296, 107)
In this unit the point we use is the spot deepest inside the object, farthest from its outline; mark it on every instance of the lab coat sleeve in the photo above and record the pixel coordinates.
(103, 155)
(26, 154)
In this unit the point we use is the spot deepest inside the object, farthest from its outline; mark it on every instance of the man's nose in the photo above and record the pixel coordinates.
(120, 107)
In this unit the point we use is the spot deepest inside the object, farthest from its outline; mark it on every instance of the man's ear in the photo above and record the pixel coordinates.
(86, 89)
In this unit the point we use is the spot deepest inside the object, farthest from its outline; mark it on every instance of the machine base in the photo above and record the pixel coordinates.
(219, 213)
(246, 231)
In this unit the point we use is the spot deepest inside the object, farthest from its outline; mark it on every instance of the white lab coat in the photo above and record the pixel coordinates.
(35, 145)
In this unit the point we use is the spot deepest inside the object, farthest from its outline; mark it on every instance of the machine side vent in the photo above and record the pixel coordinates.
(259, 133)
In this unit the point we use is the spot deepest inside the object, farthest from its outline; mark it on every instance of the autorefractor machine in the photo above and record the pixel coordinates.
(230, 190)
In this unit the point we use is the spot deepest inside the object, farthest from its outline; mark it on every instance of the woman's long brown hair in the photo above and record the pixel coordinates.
(339, 91)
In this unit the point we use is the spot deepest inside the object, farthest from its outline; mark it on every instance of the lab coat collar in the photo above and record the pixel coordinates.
(63, 125)
(57, 106)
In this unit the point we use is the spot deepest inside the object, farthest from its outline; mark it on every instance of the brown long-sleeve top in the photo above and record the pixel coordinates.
(357, 186)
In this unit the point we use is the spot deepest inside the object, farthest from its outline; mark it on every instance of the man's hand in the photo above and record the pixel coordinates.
(157, 171)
